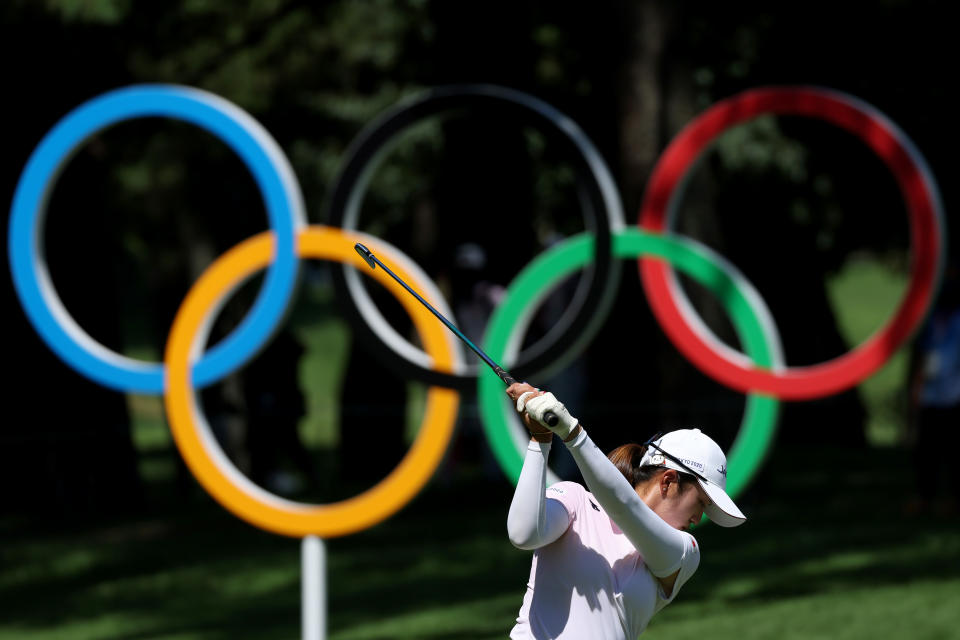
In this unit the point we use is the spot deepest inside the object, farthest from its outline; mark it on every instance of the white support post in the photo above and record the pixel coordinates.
(314, 588)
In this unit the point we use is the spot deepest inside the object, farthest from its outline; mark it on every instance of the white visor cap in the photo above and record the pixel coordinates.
(704, 456)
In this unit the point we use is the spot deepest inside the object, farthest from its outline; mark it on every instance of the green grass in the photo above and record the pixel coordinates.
(876, 612)
(826, 554)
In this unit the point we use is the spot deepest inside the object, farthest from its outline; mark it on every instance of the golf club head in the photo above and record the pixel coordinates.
(366, 254)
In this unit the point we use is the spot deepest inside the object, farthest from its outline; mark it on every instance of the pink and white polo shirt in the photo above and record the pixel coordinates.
(592, 582)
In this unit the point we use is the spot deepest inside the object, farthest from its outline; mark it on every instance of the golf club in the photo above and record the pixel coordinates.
(508, 380)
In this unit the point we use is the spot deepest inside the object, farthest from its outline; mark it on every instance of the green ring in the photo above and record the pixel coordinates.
(536, 280)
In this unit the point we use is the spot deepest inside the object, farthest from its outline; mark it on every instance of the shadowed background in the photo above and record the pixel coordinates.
(106, 535)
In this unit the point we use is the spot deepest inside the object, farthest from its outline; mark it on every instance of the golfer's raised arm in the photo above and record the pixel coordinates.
(662, 545)
(535, 520)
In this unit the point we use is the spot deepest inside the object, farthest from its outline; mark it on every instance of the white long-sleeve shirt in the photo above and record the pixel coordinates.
(596, 553)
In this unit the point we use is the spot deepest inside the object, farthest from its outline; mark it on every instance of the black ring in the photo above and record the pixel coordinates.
(595, 291)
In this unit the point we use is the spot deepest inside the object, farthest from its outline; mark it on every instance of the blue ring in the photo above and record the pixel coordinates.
(262, 156)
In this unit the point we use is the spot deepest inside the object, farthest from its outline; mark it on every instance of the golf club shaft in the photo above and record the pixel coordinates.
(508, 380)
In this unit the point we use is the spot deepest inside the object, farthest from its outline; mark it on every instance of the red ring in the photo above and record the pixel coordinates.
(923, 205)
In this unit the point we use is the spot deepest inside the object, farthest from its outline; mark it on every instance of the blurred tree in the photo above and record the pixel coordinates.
(777, 196)
(168, 198)
(172, 198)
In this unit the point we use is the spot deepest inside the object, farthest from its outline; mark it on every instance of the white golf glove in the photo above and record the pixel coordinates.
(537, 406)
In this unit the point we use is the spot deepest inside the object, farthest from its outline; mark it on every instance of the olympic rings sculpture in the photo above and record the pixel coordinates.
(920, 193)
(750, 316)
(760, 372)
(603, 216)
(270, 169)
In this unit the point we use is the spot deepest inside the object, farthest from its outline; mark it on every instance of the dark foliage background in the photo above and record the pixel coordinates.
(145, 206)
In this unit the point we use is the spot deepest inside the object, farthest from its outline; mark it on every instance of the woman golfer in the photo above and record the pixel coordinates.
(609, 558)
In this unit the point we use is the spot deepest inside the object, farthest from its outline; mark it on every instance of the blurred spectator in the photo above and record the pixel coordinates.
(934, 418)
(275, 405)
(474, 300)
(473, 310)
(372, 425)
(572, 380)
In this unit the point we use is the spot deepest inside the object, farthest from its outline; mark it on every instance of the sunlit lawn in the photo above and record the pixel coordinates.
(826, 554)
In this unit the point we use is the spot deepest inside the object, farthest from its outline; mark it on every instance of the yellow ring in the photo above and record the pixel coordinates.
(206, 459)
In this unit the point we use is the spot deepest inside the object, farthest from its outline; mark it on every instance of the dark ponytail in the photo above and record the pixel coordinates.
(626, 458)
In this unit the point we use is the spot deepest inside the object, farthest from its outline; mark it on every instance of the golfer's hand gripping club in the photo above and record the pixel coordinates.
(368, 257)
(538, 405)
